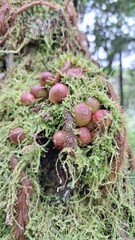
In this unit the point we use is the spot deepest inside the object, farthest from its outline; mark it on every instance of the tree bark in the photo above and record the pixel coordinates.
(121, 79)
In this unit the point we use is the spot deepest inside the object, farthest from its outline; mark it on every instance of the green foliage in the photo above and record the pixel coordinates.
(113, 28)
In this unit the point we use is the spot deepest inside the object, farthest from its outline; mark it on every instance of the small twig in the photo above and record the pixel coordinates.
(41, 3)
(9, 31)
(17, 50)
(4, 10)
(71, 140)
(21, 204)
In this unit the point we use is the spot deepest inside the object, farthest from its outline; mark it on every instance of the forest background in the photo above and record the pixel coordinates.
(110, 28)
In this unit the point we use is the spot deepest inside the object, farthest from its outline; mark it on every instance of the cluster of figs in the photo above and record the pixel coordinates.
(87, 115)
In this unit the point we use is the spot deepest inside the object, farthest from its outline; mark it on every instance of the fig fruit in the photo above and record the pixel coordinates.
(91, 125)
(44, 77)
(102, 117)
(59, 139)
(27, 98)
(39, 91)
(82, 114)
(16, 135)
(58, 92)
(84, 136)
(93, 104)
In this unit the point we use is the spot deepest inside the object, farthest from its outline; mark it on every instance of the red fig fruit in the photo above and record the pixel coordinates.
(27, 98)
(58, 92)
(16, 135)
(59, 139)
(102, 117)
(91, 125)
(39, 91)
(44, 77)
(82, 114)
(93, 104)
(84, 135)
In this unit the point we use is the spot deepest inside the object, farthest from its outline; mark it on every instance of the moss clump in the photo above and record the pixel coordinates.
(87, 213)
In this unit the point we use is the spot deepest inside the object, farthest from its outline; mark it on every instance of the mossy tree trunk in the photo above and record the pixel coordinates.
(48, 193)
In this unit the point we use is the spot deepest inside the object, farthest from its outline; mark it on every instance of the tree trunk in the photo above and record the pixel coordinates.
(43, 203)
(121, 80)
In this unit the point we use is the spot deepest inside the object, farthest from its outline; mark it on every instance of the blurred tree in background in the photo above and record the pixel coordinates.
(114, 31)
(110, 27)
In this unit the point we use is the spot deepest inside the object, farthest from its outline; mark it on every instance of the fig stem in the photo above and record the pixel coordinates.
(71, 140)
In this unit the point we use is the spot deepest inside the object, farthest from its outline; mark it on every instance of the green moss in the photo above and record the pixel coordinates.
(87, 214)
